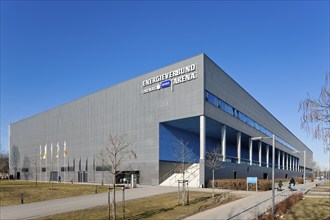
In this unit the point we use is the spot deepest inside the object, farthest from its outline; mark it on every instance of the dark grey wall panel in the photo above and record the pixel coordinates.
(244, 170)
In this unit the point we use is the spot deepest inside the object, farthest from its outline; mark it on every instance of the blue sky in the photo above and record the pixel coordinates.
(53, 52)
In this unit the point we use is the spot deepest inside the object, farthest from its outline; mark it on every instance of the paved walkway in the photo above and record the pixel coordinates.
(320, 192)
(249, 207)
(51, 207)
(227, 211)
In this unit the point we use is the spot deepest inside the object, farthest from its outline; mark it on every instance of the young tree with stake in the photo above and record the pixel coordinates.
(214, 162)
(117, 151)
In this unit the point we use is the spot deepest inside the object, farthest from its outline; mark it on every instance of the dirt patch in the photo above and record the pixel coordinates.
(218, 200)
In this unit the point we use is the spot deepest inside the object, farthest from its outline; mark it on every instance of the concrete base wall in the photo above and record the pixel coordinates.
(245, 170)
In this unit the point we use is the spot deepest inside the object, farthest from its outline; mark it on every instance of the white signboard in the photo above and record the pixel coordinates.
(178, 76)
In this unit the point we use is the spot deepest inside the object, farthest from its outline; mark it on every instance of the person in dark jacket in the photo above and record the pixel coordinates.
(280, 184)
(292, 183)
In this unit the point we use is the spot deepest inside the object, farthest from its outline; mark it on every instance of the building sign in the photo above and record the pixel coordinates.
(251, 180)
(178, 76)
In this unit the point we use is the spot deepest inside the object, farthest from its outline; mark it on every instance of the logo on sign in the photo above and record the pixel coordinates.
(166, 83)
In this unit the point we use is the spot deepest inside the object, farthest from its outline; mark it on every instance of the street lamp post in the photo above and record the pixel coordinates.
(304, 167)
(273, 167)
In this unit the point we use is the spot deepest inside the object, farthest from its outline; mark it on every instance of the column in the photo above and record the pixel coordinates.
(223, 142)
(267, 155)
(260, 151)
(283, 160)
(290, 162)
(202, 131)
(294, 163)
(279, 160)
(287, 161)
(250, 150)
(239, 147)
(297, 164)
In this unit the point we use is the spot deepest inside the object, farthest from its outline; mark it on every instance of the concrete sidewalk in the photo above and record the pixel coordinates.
(250, 206)
(227, 211)
(51, 207)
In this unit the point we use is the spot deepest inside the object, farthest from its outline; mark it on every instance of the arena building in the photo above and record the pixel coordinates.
(193, 102)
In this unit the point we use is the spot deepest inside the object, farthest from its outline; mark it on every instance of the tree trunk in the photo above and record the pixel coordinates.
(114, 197)
(212, 183)
(109, 202)
(183, 190)
(36, 175)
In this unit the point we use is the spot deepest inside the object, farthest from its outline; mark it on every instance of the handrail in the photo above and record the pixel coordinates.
(185, 171)
(172, 171)
(192, 173)
(232, 217)
(176, 169)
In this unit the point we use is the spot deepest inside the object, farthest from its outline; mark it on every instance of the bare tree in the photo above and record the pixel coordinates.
(118, 152)
(35, 163)
(316, 168)
(15, 158)
(183, 155)
(4, 161)
(102, 157)
(316, 115)
(26, 166)
(214, 161)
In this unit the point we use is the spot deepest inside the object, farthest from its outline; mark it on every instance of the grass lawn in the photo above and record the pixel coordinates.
(310, 208)
(163, 206)
(327, 184)
(10, 191)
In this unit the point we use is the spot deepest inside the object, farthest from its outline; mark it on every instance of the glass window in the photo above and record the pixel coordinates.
(262, 129)
(257, 126)
(212, 99)
(278, 139)
(222, 105)
(268, 133)
(229, 109)
(242, 117)
(235, 113)
(249, 121)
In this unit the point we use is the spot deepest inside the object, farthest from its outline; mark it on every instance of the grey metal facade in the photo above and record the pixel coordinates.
(123, 109)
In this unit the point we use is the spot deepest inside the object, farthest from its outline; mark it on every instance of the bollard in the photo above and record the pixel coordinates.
(95, 189)
(123, 188)
(187, 194)
(22, 198)
(109, 202)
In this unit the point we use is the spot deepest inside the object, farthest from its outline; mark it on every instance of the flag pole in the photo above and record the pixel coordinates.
(94, 167)
(58, 160)
(64, 161)
(45, 157)
(40, 158)
(51, 160)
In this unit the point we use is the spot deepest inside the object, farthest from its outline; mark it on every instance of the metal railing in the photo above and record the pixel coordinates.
(174, 170)
(257, 207)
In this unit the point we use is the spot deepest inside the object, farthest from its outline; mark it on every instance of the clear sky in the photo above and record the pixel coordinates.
(53, 52)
